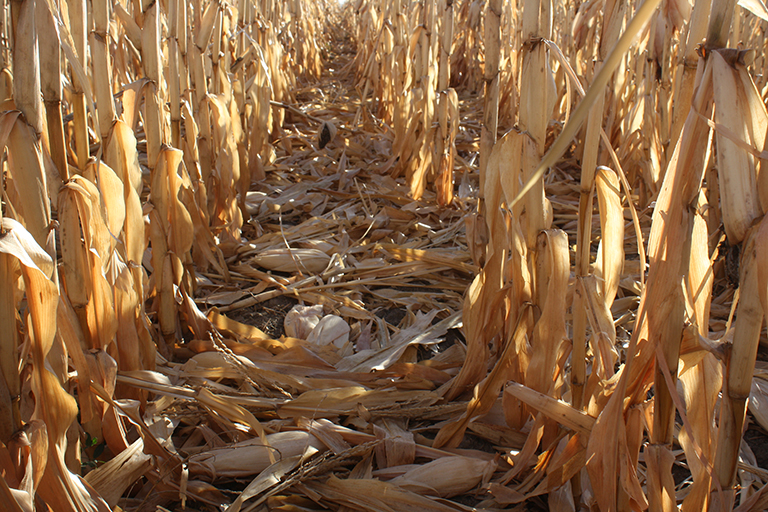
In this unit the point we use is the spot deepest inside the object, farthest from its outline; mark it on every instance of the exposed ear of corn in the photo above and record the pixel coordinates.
(312, 261)
(446, 477)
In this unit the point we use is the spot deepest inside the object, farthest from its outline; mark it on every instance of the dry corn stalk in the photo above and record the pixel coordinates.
(77, 18)
(50, 80)
(667, 262)
(612, 21)
(737, 380)
(491, 77)
(740, 207)
(171, 234)
(686, 73)
(55, 408)
(100, 213)
(101, 60)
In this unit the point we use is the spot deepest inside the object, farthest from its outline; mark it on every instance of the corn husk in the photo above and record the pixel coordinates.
(445, 477)
(312, 261)
(252, 456)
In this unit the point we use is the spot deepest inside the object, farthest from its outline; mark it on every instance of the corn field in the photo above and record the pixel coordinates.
(383, 255)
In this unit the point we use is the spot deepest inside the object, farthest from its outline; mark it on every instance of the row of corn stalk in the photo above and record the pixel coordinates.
(404, 67)
(653, 107)
(155, 118)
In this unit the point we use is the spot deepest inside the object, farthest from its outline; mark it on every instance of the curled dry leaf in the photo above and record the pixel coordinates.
(330, 330)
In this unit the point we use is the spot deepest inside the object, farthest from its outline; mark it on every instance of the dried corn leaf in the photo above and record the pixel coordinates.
(555, 409)
(375, 496)
(736, 168)
(269, 477)
(610, 255)
(116, 475)
(334, 402)
(398, 447)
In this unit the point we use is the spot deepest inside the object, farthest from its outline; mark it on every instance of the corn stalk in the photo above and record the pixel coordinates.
(491, 77)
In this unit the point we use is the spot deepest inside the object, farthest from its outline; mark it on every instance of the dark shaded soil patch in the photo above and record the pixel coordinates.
(757, 439)
(392, 316)
(267, 316)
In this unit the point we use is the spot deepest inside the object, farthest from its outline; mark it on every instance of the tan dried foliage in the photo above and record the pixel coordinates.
(351, 255)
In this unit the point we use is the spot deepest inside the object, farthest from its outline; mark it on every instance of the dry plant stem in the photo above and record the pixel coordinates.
(215, 51)
(5, 54)
(26, 70)
(201, 110)
(740, 367)
(50, 82)
(536, 105)
(73, 259)
(642, 15)
(720, 23)
(445, 43)
(425, 75)
(703, 382)
(663, 420)
(78, 18)
(7, 421)
(672, 223)
(82, 146)
(583, 245)
(174, 63)
(584, 242)
(686, 72)
(102, 82)
(9, 347)
(445, 146)
(26, 163)
(154, 110)
(174, 90)
(662, 89)
(491, 78)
